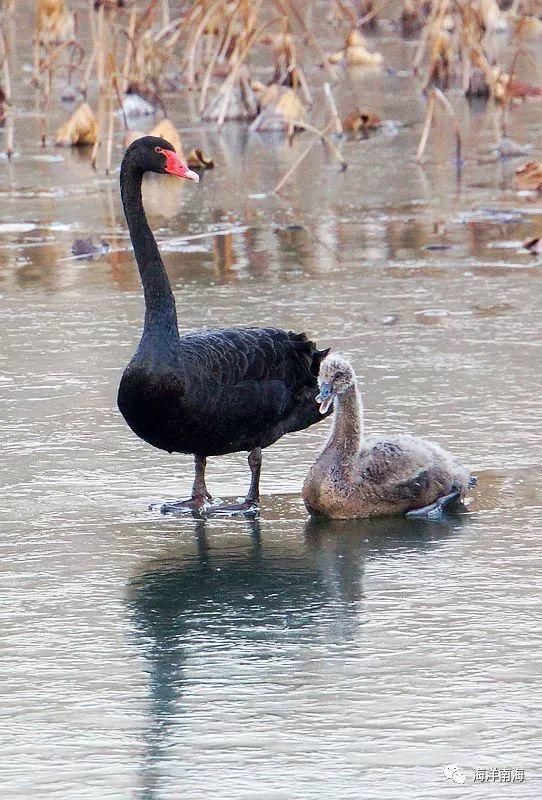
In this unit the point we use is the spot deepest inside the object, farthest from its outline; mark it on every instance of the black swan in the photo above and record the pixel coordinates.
(212, 392)
(373, 476)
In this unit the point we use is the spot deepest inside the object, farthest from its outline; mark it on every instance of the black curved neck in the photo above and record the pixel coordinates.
(160, 313)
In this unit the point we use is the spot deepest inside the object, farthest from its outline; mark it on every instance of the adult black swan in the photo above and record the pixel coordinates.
(211, 392)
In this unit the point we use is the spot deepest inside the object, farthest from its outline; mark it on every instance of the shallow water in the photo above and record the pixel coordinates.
(152, 657)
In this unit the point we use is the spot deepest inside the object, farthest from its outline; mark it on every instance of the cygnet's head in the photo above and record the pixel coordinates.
(336, 377)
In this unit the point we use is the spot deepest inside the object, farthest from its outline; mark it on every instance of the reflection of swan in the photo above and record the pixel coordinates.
(204, 612)
(380, 536)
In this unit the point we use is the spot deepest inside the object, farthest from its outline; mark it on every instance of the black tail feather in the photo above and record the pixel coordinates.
(309, 350)
(317, 358)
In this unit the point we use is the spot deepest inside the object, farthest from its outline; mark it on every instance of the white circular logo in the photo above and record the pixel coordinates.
(455, 773)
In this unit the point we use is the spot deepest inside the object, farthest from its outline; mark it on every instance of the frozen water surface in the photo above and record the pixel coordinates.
(155, 658)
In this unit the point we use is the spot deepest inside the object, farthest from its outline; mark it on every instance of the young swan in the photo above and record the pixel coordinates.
(371, 476)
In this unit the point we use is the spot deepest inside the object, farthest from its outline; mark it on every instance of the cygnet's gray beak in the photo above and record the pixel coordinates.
(325, 397)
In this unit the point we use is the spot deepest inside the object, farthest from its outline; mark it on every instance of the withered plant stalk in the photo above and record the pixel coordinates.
(435, 95)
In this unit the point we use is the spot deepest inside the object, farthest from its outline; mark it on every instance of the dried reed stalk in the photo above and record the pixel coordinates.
(333, 108)
(6, 72)
(285, 178)
(435, 95)
(229, 84)
(287, 8)
(221, 48)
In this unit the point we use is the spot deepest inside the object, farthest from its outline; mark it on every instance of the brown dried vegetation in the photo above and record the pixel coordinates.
(80, 130)
(356, 53)
(529, 176)
(361, 121)
(245, 60)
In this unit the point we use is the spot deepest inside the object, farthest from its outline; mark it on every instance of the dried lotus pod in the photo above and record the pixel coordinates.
(361, 121)
(282, 109)
(198, 160)
(80, 130)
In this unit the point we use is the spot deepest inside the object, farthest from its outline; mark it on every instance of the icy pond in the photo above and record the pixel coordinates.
(150, 657)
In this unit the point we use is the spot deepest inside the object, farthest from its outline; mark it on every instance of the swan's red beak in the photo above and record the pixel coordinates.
(174, 166)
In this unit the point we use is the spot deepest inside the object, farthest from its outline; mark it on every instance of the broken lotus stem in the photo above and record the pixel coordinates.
(435, 95)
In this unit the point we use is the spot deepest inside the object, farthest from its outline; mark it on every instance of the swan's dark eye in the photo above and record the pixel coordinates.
(158, 150)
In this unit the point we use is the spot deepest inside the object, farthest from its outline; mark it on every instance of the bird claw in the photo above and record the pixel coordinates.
(437, 510)
(201, 508)
(194, 506)
(245, 508)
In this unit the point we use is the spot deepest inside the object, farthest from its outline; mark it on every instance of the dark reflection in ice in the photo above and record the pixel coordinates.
(260, 602)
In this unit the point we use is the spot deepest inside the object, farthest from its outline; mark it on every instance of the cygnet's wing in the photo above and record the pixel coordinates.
(402, 468)
(413, 488)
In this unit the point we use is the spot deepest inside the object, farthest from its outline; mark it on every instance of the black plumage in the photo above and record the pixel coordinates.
(212, 392)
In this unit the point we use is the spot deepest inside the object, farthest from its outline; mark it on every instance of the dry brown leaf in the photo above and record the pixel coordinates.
(336, 58)
(267, 95)
(282, 108)
(504, 87)
(355, 53)
(355, 39)
(529, 176)
(198, 160)
(358, 55)
(361, 121)
(282, 43)
(80, 129)
(234, 100)
(290, 106)
(165, 129)
(54, 20)
(259, 89)
(526, 27)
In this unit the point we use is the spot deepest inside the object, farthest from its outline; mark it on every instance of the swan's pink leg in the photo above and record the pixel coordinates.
(251, 503)
(200, 496)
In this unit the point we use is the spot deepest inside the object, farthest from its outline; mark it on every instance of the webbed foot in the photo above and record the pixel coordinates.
(196, 506)
(246, 508)
(436, 510)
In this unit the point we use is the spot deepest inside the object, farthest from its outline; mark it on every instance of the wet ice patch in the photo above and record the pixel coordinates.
(61, 226)
(183, 247)
(47, 157)
(506, 244)
(17, 227)
(490, 215)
